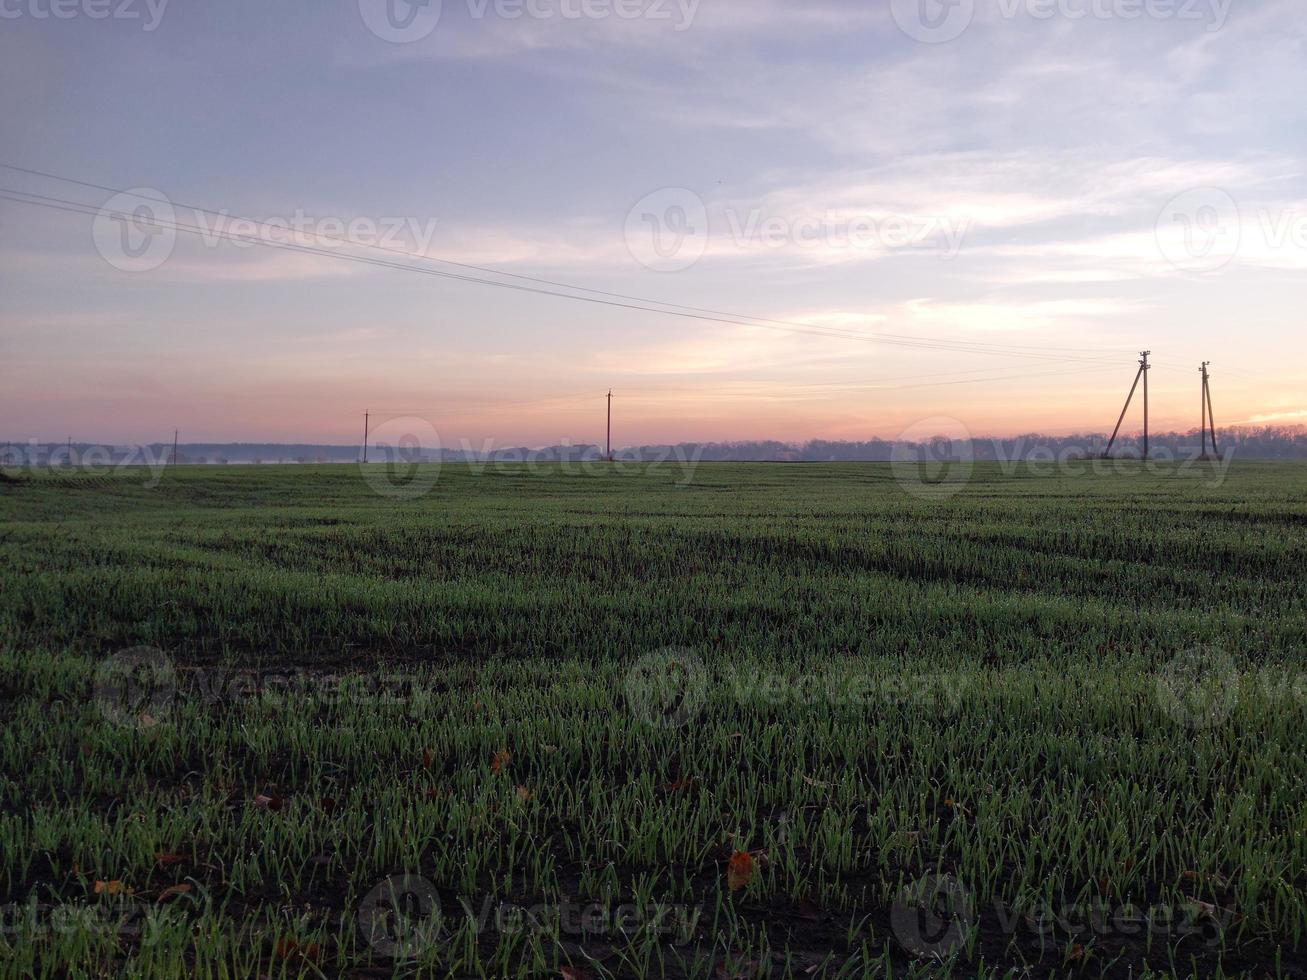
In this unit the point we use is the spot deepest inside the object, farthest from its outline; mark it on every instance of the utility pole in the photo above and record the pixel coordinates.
(1144, 368)
(367, 418)
(1129, 398)
(1203, 404)
(1207, 400)
(175, 433)
(610, 425)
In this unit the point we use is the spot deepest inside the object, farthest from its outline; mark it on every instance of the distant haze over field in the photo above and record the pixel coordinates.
(1268, 442)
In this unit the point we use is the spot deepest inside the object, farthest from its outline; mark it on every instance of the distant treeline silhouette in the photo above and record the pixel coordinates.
(1265, 442)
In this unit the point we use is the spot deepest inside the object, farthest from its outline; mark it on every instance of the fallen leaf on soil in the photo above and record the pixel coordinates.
(523, 794)
(265, 802)
(740, 870)
(501, 759)
(573, 973)
(173, 891)
(111, 888)
(1076, 952)
(288, 949)
(167, 860)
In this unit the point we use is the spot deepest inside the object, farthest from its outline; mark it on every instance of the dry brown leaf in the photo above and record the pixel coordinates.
(739, 872)
(290, 949)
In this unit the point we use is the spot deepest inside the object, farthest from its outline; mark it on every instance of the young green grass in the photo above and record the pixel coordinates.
(559, 704)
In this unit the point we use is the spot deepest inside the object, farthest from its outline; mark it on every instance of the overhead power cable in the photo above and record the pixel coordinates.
(629, 301)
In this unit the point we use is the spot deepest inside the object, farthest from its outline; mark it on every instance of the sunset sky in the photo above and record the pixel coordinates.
(1033, 190)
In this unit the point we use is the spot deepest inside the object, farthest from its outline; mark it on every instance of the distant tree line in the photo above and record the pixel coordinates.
(1264, 442)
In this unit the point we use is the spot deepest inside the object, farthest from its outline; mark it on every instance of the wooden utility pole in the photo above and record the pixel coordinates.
(1129, 398)
(610, 425)
(1144, 368)
(175, 434)
(1207, 403)
(1203, 404)
(367, 419)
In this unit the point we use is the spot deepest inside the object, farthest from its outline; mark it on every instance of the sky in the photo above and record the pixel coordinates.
(964, 214)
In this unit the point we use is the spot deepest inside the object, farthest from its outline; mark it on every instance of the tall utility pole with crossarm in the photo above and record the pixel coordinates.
(610, 425)
(1142, 374)
(1209, 420)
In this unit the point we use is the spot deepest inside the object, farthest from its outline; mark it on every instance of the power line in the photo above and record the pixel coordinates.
(78, 207)
(919, 341)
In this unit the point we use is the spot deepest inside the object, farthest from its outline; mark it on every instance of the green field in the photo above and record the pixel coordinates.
(753, 720)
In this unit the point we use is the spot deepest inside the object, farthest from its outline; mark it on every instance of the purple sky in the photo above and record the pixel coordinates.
(1034, 191)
